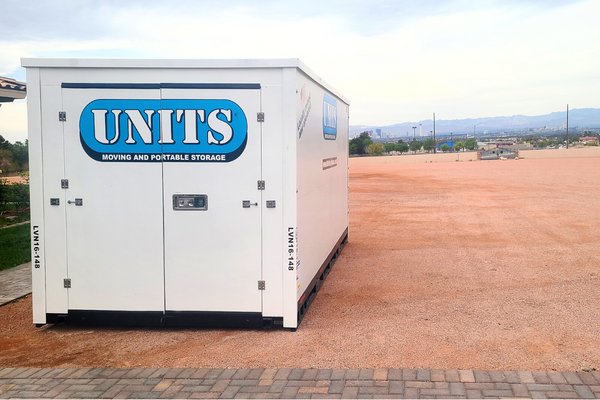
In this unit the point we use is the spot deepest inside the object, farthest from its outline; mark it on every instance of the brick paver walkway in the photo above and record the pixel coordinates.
(197, 383)
(15, 283)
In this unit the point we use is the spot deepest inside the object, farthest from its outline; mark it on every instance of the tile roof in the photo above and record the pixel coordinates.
(11, 84)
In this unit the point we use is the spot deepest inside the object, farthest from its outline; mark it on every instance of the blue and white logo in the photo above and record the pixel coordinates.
(163, 130)
(329, 118)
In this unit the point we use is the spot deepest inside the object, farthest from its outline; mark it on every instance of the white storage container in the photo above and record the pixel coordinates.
(183, 192)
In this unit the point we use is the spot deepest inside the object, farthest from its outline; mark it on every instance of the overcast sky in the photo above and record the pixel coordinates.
(396, 61)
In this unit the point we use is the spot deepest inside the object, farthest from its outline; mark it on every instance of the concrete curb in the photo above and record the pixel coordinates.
(10, 226)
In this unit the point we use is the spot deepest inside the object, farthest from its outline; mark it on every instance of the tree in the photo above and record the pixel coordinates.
(389, 147)
(445, 148)
(401, 147)
(362, 142)
(458, 146)
(4, 144)
(542, 143)
(416, 146)
(6, 161)
(20, 153)
(470, 144)
(428, 145)
(375, 149)
(352, 148)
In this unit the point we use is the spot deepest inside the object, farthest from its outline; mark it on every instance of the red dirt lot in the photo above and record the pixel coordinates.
(488, 265)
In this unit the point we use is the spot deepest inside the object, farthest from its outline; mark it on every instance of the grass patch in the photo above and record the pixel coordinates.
(15, 245)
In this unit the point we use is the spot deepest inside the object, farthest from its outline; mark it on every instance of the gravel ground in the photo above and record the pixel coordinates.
(476, 265)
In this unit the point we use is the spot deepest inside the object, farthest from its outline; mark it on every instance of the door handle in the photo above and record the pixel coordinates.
(77, 202)
(247, 204)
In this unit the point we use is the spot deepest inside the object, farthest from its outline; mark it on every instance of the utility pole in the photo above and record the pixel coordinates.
(567, 126)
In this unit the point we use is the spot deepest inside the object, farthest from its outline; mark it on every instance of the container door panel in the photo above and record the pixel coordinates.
(212, 238)
(114, 208)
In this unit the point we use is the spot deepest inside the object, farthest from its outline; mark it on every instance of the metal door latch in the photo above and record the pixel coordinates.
(261, 285)
(67, 283)
(271, 204)
(247, 204)
(54, 202)
(77, 202)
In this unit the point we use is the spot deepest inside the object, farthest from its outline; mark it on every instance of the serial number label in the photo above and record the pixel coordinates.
(291, 250)
(36, 247)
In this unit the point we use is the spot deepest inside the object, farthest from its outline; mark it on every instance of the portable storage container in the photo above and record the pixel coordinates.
(183, 192)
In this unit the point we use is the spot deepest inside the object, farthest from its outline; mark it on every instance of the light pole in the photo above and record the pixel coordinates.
(434, 142)
(414, 130)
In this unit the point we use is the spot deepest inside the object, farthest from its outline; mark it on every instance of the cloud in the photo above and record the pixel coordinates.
(93, 20)
(396, 60)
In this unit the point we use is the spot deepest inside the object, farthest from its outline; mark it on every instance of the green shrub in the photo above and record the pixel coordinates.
(5, 194)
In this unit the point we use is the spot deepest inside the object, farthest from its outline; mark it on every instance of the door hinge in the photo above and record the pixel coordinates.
(67, 283)
(62, 116)
(261, 185)
(260, 117)
(64, 183)
(261, 285)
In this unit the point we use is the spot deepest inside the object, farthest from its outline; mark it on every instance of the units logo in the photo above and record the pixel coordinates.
(329, 118)
(163, 130)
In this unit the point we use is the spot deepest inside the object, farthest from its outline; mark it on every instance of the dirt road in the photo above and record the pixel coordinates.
(472, 265)
(14, 179)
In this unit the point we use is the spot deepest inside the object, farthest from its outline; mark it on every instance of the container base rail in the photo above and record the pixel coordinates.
(316, 283)
(200, 319)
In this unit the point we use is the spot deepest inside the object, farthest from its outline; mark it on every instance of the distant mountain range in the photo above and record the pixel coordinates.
(584, 117)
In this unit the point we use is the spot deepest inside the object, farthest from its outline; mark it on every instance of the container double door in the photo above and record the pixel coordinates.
(132, 245)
